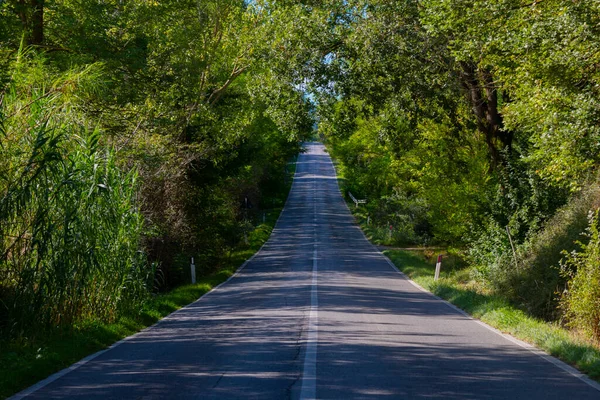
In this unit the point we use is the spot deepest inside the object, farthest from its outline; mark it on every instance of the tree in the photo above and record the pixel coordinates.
(31, 15)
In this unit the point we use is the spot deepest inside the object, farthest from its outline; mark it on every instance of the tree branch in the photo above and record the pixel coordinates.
(217, 94)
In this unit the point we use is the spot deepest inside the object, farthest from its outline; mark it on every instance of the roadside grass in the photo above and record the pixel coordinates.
(29, 360)
(456, 286)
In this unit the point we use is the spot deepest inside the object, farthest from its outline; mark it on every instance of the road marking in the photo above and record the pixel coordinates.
(309, 377)
(308, 390)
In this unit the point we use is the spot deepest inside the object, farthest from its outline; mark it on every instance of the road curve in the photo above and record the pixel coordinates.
(317, 313)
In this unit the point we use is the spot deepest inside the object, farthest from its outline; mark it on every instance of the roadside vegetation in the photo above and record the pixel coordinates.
(134, 136)
(474, 125)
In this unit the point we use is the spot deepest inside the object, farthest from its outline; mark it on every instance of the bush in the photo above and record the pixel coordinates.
(542, 221)
(539, 278)
(581, 300)
(491, 253)
(533, 279)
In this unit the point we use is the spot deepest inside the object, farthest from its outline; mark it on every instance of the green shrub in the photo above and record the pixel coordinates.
(581, 300)
(532, 280)
(539, 277)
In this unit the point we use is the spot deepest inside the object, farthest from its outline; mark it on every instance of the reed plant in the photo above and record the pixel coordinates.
(69, 225)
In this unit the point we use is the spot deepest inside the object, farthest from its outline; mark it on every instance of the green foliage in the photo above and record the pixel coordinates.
(68, 220)
(543, 56)
(464, 123)
(581, 299)
(531, 277)
(371, 172)
(181, 93)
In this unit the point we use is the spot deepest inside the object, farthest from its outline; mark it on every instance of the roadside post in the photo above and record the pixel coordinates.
(193, 271)
(438, 266)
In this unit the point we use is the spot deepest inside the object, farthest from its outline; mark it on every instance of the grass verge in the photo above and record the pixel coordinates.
(456, 286)
(25, 362)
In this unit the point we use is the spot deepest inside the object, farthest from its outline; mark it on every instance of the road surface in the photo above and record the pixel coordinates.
(318, 313)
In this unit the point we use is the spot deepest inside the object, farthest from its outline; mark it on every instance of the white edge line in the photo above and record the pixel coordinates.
(541, 353)
(57, 375)
(551, 359)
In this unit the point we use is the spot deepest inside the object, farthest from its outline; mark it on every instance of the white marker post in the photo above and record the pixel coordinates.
(438, 266)
(193, 271)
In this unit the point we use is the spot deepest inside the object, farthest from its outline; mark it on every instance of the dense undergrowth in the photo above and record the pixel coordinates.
(69, 221)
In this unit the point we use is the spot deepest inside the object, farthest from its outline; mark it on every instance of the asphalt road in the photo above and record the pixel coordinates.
(319, 312)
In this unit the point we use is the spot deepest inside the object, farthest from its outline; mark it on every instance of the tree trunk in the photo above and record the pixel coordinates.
(31, 14)
(478, 83)
(37, 22)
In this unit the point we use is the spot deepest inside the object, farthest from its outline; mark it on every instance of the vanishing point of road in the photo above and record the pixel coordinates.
(318, 313)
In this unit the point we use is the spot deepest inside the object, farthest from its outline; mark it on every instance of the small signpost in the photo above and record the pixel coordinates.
(438, 266)
(193, 271)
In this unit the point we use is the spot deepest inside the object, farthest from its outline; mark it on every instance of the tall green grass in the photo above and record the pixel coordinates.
(69, 226)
